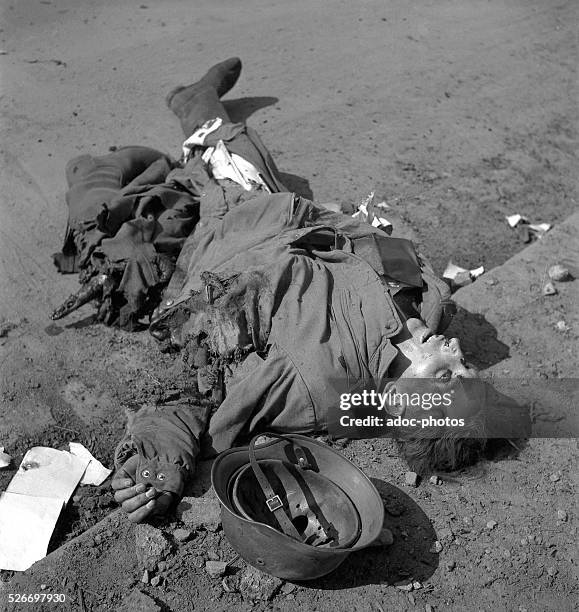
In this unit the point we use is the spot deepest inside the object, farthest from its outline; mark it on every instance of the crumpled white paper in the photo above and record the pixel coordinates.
(35, 497)
(47, 472)
(26, 526)
(538, 228)
(96, 473)
(366, 212)
(5, 458)
(452, 270)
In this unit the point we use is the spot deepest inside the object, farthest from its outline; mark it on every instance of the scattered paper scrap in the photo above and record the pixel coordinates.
(537, 228)
(5, 458)
(26, 525)
(514, 220)
(33, 500)
(367, 213)
(47, 472)
(96, 473)
(461, 277)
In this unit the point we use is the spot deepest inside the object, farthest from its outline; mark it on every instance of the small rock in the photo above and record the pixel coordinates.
(137, 601)
(552, 571)
(555, 477)
(212, 555)
(436, 547)
(43, 587)
(435, 480)
(411, 479)
(200, 512)
(156, 581)
(162, 566)
(561, 326)
(467, 520)
(417, 585)
(216, 569)
(559, 273)
(404, 586)
(182, 535)
(288, 588)
(451, 566)
(491, 524)
(562, 515)
(256, 585)
(385, 538)
(145, 577)
(151, 545)
(549, 289)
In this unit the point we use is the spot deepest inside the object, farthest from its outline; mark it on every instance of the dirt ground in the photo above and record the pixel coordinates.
(455, 112)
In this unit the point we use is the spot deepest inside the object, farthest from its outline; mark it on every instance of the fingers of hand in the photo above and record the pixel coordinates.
(125, 475)
(153, 507)
(121, 481)
(135, 497)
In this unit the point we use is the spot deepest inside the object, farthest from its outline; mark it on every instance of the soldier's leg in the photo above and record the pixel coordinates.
(195, 104)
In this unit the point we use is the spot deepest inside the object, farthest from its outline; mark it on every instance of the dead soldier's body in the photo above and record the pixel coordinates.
(278, 304)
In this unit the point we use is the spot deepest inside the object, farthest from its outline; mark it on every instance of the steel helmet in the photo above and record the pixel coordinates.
(294, 507)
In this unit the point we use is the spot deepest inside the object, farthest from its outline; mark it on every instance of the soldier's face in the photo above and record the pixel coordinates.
(423, 354)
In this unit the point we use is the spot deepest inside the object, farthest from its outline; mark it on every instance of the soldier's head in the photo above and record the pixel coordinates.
(453, 432)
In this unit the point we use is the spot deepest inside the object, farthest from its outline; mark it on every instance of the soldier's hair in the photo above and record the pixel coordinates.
(427, 452)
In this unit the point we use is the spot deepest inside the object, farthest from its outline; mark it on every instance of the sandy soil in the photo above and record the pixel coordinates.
(454, 112)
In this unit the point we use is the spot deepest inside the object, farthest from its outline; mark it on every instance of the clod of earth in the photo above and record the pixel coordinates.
(436, 547)
(182, 535)
(256, 585)
(411, 479)
(549, 289)
(199, 512)
(385, 538)
(137, 601)
(559, 273)
(216, 569)
(151, 545)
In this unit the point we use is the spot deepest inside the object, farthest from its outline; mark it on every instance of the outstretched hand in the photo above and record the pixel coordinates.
(137, 500)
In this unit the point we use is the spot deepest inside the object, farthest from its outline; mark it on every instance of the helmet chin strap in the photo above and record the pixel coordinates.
(274, 502)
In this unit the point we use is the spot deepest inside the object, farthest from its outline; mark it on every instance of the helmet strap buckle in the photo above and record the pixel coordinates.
(274, 503)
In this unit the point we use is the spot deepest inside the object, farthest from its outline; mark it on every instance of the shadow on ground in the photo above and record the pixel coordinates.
(478, 339)
(240, 109)
(409, 558)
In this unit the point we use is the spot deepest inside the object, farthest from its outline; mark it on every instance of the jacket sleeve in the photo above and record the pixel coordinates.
(167, 434)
